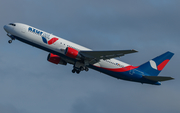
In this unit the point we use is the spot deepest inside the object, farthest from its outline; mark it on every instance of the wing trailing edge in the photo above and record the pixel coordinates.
(106, 54)
(94, 56)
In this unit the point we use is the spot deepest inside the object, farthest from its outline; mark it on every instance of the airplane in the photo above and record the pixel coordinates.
(62, 52)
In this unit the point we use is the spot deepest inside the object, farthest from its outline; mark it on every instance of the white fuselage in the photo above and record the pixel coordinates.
(34, 35)
(63, 52)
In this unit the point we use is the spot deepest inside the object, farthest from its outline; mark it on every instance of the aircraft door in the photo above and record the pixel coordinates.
(23, 29)
(135, 71)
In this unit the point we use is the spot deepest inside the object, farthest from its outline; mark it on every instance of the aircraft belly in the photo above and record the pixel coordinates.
(117, 73)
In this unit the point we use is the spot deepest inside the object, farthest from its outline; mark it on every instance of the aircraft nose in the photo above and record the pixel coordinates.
(8, 28)
(5, 27)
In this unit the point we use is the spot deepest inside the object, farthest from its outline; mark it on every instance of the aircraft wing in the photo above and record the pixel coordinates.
(95, 56)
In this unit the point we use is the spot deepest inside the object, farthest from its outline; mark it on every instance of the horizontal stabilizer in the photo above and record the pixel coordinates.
(158, 78)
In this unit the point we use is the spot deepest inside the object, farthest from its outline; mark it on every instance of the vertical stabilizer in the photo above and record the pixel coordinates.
(156, 65)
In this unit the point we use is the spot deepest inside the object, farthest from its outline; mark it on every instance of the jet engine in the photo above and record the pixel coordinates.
(56, 59)
(72, 53)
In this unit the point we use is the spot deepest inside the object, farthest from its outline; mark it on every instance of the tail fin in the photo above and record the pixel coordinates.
(156, 65)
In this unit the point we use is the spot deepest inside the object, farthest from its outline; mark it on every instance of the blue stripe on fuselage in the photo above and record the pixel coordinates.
(134, 77)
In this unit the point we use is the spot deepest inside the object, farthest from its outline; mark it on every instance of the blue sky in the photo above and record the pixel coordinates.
(31, 84)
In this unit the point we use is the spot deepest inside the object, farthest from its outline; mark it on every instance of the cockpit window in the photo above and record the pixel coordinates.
(12, 24)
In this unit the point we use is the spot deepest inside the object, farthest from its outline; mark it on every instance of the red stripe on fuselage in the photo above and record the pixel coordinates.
(53, 40)
(124, 69)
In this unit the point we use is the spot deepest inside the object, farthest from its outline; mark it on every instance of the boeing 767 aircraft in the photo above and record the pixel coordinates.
(62, 52)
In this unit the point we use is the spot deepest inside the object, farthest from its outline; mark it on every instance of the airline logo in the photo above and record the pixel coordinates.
(45, 36)
(160, 66)
(36, 31)
(51, 41)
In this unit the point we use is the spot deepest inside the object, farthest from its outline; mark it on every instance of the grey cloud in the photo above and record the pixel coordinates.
(29, 82)
(10, 109)
(150, 100)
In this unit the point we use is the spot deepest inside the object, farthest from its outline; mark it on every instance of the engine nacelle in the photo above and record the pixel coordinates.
(72, 53)
(55, 59)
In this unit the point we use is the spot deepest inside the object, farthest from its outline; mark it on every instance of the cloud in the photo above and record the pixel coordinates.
(127, 100)
(29, 83)
(10, 109)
